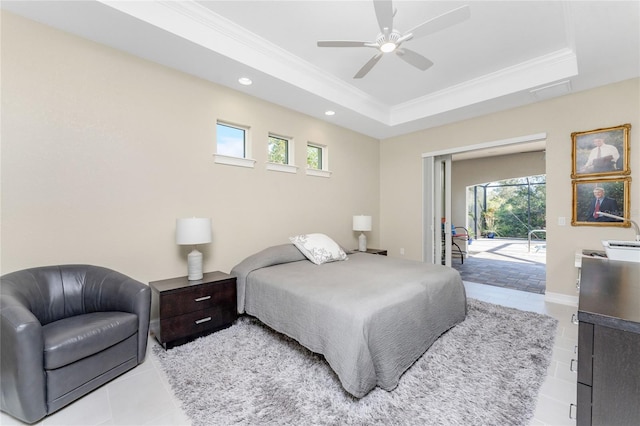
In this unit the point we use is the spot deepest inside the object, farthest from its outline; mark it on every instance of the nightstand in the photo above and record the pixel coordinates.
(182, 310)
(380, 252)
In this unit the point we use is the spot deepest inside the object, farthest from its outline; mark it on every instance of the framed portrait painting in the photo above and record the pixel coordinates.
(600, 152)
(596, 200)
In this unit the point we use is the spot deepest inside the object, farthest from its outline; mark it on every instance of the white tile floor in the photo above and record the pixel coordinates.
(559, 389)
(143, 396)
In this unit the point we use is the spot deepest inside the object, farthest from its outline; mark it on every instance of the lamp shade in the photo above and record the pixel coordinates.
(362, 223)
(193, 230)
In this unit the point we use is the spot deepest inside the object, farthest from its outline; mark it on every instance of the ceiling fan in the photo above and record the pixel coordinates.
(390, 40)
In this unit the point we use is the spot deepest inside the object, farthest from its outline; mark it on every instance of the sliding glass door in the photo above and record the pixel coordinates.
(437, 209)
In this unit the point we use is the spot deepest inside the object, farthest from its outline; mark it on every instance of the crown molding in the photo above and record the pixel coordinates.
(193, 22)
(200, 25)
(558, 65)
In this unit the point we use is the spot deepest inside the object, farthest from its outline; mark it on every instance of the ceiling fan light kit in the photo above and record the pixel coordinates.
(388, 47)
(389, 39)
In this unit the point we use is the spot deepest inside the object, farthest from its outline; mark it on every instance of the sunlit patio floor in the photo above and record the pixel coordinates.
(508, 263)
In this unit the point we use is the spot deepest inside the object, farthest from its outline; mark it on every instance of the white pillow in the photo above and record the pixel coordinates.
(318, 248)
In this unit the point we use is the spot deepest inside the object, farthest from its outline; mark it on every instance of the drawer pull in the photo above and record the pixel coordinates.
(571, 365)
(200, 299)
(572, 408)
(200, 321)
(574, 319)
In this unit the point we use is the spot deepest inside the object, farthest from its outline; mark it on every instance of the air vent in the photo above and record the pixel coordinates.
(552, 90)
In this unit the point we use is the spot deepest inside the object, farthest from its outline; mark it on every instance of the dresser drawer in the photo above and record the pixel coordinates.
(583, 417)
(196, 322)
(197, 298)
(585, 353)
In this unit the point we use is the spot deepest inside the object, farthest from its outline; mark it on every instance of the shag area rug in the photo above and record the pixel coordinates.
(485, 371)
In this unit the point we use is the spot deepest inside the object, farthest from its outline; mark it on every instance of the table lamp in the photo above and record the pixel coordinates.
(193, 231)
(362, 223)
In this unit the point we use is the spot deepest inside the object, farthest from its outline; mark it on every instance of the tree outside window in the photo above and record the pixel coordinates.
(509, 208)
(314, 157)
(278, 150)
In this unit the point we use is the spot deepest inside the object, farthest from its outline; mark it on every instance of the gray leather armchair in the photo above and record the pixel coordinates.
(66, 330)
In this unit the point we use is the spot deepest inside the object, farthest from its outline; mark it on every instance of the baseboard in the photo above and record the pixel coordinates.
(154, 324)
(563, 299)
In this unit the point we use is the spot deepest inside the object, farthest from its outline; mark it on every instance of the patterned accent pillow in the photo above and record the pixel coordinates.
(318, 248)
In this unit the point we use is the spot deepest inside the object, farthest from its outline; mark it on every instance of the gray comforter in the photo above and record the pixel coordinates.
(370, 316)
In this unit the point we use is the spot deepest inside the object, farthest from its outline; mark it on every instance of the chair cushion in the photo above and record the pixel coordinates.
(70, 339)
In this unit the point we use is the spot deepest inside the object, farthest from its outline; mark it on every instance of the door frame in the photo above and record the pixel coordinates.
(431, 229)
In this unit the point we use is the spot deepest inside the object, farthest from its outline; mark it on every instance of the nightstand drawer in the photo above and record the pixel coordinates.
(182, 310)
(196, 322)
(198, 298)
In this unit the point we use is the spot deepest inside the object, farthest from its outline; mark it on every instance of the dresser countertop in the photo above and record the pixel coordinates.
(610, 294)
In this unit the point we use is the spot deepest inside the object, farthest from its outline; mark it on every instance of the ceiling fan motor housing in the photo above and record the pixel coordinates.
(393, 37)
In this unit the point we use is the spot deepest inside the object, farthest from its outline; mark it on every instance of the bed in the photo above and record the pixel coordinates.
(370, 316)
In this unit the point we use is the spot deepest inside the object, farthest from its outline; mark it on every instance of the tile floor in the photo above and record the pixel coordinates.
(143, 396)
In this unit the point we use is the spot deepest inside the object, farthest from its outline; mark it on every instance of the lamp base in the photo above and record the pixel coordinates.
(194, 265)
(362, 242)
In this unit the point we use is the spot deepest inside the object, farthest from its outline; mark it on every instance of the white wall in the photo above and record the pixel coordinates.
(401, 170)
(102, 151)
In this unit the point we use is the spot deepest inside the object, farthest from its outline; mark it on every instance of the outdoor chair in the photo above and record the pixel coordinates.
(459, 234)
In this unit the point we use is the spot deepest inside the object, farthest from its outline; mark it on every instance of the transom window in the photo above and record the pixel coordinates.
(231, 140)
(278, 149)
(315, 154)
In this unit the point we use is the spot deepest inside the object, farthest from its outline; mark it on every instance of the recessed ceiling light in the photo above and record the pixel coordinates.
(245, 81)
(329, 112)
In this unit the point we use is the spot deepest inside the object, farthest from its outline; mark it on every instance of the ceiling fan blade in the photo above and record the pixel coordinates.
(441, 22)
(367, 67)
(384, 13)
(342, 43)
(414, 58)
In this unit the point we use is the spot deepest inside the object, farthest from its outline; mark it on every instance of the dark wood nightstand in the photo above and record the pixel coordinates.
(182, 310)
(381, 252)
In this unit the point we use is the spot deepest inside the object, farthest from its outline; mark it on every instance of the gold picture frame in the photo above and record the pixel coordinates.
(600, 152)
(616, 201)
